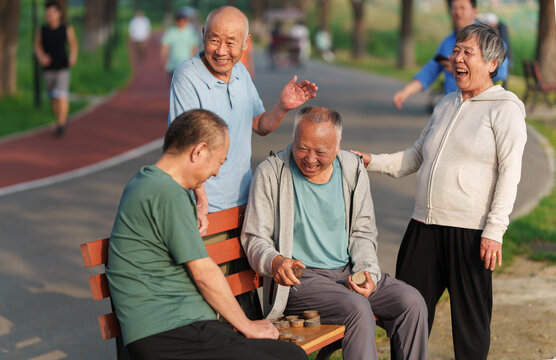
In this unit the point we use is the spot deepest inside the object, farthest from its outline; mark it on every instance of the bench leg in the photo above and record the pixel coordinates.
(328, 350)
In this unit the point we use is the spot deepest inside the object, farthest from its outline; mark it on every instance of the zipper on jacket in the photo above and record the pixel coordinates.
(433, 167)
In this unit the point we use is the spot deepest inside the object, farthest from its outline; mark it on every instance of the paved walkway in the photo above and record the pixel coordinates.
(134, 117)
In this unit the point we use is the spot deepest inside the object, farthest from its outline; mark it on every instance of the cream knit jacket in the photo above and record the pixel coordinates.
(468, 162)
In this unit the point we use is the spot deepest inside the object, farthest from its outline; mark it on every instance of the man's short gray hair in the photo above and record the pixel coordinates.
(215, 12)
(489, 40)
(319, 114)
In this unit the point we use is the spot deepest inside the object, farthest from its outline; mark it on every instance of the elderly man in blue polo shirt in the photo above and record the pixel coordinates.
(215, 80)
(463, 13)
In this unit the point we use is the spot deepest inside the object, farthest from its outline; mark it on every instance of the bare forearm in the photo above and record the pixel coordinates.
(215, 290)
(37, 45)
(413, 87)
(268, 121)
(164, 51)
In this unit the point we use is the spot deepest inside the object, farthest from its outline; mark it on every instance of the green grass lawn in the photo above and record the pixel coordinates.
(535, 233)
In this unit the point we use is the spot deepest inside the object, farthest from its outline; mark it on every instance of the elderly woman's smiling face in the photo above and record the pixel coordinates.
(471, 71)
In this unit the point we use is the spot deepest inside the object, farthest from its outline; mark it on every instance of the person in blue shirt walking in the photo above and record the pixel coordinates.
(463, 13)
(216, 80)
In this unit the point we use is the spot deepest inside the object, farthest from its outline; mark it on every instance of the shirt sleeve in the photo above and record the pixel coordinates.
(258, 107)
(183, 96)
(502, 74)
(179, 229)
(166, 37)
(510, 133)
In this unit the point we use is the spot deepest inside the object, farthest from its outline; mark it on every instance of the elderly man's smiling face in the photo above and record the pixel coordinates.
(224, 39)
(315, 146)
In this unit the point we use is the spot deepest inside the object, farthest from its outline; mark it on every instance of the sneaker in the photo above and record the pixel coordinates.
(60, 130)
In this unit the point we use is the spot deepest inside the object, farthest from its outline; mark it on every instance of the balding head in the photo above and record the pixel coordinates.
(319, 114)
(224, 37)
(226, 15)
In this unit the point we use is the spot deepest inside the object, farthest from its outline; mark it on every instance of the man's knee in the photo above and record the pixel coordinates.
(357, 308)
(413, 301)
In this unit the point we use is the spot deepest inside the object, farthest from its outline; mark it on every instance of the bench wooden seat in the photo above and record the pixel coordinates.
(536, 86)
(243, 281)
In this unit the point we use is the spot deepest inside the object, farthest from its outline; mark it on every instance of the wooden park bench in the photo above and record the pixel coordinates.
(242, 280)
(535, 84)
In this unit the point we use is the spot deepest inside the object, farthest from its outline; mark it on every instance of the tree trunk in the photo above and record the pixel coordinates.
(406, 57)
(9, 20)
(65, 13)
(358, 36)
(99, 19)
(256, 24)
(110, 13)
(168, 13)
(95, 31)
(302, 5)
(324, 15)
(36, 66)
(546, 41)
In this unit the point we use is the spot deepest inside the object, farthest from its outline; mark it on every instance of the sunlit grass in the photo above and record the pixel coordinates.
(535, 233)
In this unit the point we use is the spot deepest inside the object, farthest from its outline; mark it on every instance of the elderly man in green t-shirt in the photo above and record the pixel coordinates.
(165, 288)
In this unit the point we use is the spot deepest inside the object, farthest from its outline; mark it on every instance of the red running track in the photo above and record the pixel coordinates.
(135, 116)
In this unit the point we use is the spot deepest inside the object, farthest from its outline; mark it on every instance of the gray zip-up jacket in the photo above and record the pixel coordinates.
(268, 225)
(468, 159)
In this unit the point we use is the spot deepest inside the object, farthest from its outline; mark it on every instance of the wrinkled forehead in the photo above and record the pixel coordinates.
(469, 43)
(315, 135)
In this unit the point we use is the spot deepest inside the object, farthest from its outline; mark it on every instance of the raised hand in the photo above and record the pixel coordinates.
(295, 94)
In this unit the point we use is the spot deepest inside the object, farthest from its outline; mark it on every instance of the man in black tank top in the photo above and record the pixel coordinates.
(51, 43)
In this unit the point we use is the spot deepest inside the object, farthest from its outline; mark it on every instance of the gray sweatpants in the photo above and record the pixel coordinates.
(400, 309)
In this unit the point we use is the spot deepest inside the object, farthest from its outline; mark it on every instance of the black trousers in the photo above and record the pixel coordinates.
(432, 258)
(210, 340)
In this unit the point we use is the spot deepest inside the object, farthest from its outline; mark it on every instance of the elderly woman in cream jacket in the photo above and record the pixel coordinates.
(468, 163)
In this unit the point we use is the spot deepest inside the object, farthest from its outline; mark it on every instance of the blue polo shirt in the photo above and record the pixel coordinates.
(237, 103)
(428, 74)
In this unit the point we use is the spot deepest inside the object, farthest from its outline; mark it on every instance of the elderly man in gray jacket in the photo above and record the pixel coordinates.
(310, 205)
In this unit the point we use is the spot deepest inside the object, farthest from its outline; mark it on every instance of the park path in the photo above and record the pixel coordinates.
(46, 311)
(129, 119)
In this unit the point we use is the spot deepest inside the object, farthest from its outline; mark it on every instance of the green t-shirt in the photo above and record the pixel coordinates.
(181, 42)
(154, 234)
(319, 230)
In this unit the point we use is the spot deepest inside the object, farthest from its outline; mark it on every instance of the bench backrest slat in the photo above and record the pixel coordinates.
(99, 286)
(95, 253)
(240, 283)
(244, 281)
(109, 326)
(225, 250)
(225, 220)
